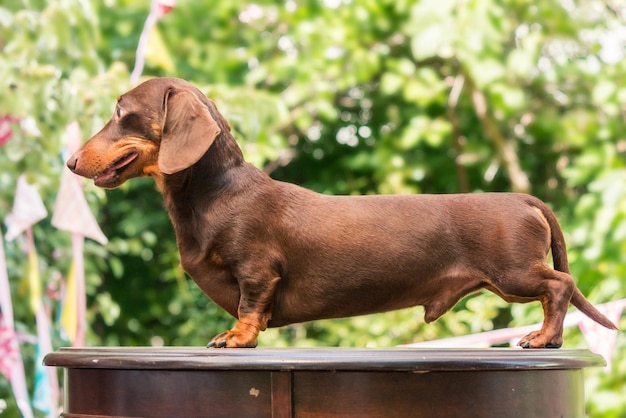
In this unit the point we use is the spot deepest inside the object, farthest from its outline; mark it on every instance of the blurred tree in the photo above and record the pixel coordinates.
(374, 96)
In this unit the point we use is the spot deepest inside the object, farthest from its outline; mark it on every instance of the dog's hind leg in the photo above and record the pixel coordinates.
(554, 290)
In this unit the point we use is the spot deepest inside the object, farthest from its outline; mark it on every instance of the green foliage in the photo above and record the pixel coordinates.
(344, 97)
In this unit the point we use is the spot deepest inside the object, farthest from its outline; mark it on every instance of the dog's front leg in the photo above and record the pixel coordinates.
(254, 312)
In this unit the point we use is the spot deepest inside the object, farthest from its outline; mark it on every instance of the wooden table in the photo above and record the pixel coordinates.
(327, 382)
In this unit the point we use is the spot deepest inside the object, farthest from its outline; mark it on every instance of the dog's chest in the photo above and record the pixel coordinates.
(211, 274)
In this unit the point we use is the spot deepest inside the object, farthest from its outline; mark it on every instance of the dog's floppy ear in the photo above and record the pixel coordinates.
(187, 133)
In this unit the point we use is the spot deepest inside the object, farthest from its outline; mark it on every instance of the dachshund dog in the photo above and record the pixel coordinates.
(273, 253)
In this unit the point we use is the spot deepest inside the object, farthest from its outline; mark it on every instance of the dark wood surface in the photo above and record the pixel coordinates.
(399, 359)
(281, 383)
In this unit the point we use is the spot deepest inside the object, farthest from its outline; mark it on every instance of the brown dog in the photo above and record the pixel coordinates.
(272, 253)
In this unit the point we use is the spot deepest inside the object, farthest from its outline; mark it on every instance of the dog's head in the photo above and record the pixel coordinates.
(162, 126)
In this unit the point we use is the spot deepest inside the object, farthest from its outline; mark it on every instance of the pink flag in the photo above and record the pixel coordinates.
(165, 6)
(600, 339)
(6, 307)
(9, 350)
(12, 365)
(5, 129)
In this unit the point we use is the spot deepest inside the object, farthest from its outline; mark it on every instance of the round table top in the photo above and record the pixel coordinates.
(391, 359)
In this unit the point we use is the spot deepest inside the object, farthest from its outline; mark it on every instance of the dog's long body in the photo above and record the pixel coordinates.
(272, 253)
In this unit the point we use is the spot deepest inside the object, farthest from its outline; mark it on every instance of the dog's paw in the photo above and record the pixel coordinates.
(232, 339)
(538, 339)
(244, 334)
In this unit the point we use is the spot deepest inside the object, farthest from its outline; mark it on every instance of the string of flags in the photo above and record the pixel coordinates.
(72, 214)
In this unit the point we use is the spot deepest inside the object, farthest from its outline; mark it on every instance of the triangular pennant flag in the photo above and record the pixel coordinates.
(71, 211)
(28, 209)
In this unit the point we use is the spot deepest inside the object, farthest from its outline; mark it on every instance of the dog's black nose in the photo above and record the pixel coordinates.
(71, 163)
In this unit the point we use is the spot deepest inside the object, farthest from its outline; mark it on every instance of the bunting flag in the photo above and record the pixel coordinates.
(28, 209)
(73, 312)
(69, 314)
(602, 340)
(5, 128)
(72, 214)
(9, 350)
(46, 394)
(34, 281)
(158, 9)
(71, 211)
(11, 364)
(42, 398)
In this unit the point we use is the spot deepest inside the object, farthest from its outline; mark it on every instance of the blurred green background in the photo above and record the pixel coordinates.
(343, 97)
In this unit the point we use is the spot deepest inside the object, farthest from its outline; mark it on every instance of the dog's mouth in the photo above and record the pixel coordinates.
(112, 172)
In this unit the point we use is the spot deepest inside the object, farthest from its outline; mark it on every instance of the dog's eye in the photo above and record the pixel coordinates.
(118, 111)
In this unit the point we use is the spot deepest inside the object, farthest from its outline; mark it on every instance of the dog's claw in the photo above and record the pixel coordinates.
(230, 339)
(219, 341)
(214, 344)
(219, 344)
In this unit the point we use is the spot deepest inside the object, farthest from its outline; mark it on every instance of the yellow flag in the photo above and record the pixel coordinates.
(157, 52)
(69, 320)
(34, 284)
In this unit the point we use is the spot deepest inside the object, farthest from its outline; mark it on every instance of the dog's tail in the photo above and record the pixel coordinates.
(559, 257)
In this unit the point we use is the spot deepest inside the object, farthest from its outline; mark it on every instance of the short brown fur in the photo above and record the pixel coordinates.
(273, 253)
